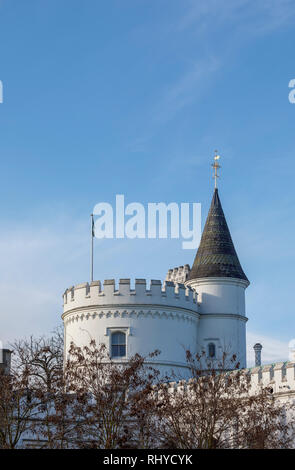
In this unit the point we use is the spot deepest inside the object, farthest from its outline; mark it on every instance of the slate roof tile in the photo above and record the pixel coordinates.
(216, 256)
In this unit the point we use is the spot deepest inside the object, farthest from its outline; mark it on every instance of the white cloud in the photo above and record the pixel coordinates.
(39, 262)
(35, 265)
(244, 15)
(186, 89)
(273, 350)
(217, 30)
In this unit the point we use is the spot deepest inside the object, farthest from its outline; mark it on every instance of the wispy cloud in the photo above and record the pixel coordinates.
(40, 261)
(186, 89)
(215, 31)
(273, 350)
(223, 27)
(35, 264)
(247, 16)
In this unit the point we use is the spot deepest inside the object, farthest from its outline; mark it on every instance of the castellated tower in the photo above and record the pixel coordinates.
(220, 282)
(202, 309)
(140, 320)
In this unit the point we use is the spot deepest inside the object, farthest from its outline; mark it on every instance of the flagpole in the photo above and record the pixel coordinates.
(91, 263)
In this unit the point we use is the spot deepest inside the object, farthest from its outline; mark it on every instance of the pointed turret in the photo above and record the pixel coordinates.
(219, 282)
(216, 256)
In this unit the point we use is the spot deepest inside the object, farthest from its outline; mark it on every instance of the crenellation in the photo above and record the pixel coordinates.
(270, 376)
(190, 294)
(180, 290)
(81, 291)
(109, 287)
(169, 289)
(255, 377)
(94, 288)
(267, 374)
(178, 274)
(279, 373)
(71, 294)
(156, 288)
(167, 293)
(81, 286)
(124, 287)
(290, 373)
(140, 287)
(279, 377)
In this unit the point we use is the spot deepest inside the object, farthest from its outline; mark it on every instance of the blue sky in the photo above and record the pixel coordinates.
(132, 97)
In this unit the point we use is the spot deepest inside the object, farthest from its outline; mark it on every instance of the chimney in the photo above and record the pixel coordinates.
(5, 360)
(257, 348)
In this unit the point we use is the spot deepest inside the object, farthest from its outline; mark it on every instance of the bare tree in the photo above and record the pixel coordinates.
(110, 398)
(41, 360)
(42, 356)
(216, 408)
(35, 370)
(17, 410)
(94, 401)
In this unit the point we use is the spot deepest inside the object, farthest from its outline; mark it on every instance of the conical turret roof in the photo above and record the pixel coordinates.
(216, 256)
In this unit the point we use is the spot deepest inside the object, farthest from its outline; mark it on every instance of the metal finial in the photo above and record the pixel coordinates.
(216, 167)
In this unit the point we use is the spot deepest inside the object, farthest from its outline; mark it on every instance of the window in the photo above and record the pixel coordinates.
(118, 344)
(211, 350)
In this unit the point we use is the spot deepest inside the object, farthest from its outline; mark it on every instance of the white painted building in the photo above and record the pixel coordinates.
(202, 308)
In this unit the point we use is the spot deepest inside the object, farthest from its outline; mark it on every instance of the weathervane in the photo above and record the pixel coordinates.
(216, 167)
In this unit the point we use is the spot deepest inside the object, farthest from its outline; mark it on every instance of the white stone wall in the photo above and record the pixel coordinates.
(221, 303)
(279, 376)
(169, 317)
(163, 317)
(227, 332)
(220, 294)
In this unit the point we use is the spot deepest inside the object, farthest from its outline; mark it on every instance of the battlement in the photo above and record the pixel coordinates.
(169, 294)
(280, 377)
(180, 274)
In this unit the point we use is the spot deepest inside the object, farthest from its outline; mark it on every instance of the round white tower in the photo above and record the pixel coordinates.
(220, 282)
(138, 320)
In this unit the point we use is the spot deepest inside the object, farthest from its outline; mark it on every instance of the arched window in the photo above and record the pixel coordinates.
(211, 350)
(118, 344)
